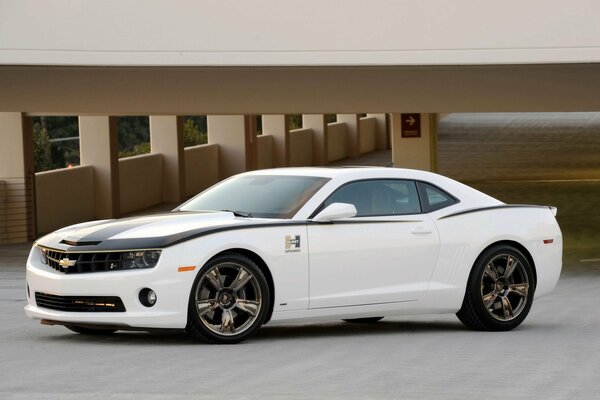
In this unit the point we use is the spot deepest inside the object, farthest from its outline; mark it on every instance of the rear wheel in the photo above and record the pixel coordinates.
(500, 290)
(229, 300)
(90, 331)
(370, 320)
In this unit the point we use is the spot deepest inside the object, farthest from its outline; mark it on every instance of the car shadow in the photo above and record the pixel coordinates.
(268, 333)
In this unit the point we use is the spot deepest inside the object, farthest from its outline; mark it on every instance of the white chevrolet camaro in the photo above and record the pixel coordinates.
(292, 244)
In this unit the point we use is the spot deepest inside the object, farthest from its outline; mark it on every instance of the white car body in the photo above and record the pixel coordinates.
(355, 267)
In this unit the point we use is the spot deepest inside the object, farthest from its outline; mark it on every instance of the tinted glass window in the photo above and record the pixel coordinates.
(379, 197)
(262, 196)
(434, 198)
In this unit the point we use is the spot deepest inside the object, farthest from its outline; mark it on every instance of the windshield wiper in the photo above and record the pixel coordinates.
(239, 213)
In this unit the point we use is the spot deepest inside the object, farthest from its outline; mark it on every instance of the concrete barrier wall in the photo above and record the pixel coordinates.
(264, 151)
(64, 197)
(201, 168)
(301, 147)
(368, 134)
(140, 182)
(336, 141)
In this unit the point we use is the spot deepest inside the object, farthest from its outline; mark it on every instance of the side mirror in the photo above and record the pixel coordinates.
(336, 211)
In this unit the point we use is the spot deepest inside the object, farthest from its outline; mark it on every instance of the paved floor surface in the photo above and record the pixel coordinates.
(555, 354)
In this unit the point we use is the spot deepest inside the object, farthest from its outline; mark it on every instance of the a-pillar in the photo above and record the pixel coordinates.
(166, 138)
(278, 126)
(413, 152)
(98, 147)
(381, 131)
(17, 217)
(352, 122)
(236, 137)
(316, 122)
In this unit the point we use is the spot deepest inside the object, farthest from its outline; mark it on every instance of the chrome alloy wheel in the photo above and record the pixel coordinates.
(228, 299)
(504, 287)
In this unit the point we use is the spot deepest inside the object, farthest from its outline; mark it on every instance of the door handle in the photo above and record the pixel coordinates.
(419, 230)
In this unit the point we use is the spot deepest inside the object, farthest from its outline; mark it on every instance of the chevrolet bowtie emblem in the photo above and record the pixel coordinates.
(66, 263)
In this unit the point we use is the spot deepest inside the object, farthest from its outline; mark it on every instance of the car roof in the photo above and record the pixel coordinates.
(340, 175)
(349, 171)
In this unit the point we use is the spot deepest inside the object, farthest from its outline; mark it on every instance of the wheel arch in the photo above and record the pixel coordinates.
(263, 267)
(519, 247)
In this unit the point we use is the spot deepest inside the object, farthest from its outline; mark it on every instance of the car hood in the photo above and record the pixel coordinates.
(152, 231)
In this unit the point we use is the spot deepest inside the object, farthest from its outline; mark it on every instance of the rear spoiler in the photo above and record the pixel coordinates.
(478, 209)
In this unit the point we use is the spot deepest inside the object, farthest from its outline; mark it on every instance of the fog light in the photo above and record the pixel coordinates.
(147, 297)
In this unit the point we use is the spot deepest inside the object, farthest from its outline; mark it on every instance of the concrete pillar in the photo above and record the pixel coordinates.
(278, 126)
(352, 122)
(316, 122)
(415, 152)
(381, 131)
(98, 147)
(166, 138)
(17, 216)
(236, 137)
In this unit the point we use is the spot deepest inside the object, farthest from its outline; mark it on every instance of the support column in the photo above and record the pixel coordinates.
(381, 131)
(236, 137)
(98, 147)
(17, 216)
(316, 122)
(352, 122)
(278, 126)
(415, 152)
(166, 138)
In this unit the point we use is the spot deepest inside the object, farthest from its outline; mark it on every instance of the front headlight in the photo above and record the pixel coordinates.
(140, 259)
(43, 253)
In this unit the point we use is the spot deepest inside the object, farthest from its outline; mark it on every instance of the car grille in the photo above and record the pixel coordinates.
(84, 262)
(80, 303)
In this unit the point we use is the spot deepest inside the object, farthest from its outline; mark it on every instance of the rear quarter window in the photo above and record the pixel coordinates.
(433, 198)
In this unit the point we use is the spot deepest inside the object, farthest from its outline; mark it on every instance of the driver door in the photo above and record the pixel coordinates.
(386, 253)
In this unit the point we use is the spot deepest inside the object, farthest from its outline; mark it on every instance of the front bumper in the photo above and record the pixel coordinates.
(172, 289)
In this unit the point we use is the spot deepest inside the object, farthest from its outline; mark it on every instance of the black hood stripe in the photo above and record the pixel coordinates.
(161, 241)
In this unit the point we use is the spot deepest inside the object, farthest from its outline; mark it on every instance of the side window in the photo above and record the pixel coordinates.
(379, 197)
(434, 198)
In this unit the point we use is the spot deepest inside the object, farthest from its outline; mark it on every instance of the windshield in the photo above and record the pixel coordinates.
(261, 196)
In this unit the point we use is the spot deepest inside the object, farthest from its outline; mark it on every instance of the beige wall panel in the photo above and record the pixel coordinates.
(17, 219)
(301, 147)
(54, 209)
(264, 151)
(352, 133)
(266, 90)
(140, 183)
(228, 131)
(336, 141)
(166, 138)
(381, 141)
(98, 148)
(316, 122)
(201, 168)
(368, 133)
(277, 126)
(416, 153)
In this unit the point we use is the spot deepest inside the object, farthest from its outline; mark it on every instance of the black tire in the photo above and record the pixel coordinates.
(489, 302)
(369, 320)
(202, 324)
(90, 331)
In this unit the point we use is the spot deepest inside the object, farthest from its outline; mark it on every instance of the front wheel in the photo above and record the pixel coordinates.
(229, 300)
(499, 291)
